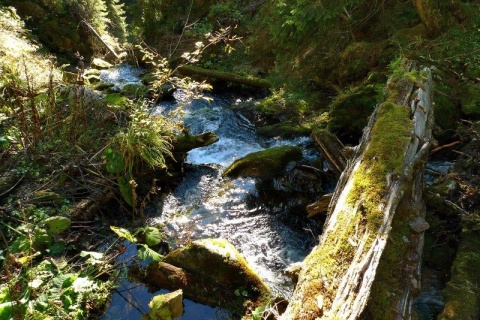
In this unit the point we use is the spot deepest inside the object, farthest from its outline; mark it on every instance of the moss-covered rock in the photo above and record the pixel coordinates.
(46, 197)
(265, 164)
(213, 272)
(165, 306)
(186, 142)
(134, 90)
(350, 111)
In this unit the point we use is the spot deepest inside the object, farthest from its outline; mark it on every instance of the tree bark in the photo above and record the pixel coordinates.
(101, 40)
(332, 150)
(437, 14)
(340, 277)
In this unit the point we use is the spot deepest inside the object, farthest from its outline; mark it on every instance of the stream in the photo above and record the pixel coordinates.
(205, 205)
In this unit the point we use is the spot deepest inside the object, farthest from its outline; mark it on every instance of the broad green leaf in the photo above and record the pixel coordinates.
(56, 248)
(145, 253)
(4, 142)
(117, 99)
(125, 190)
(95, 257)
(6, 309)
(42, 236)
(57, 224)
(35, 283)
(93, 254)
(115, 162)
(123, 233)
(83, 284)
(152, 236)
(63, 280)
(258, 312)
(4, 293)
(20, 244)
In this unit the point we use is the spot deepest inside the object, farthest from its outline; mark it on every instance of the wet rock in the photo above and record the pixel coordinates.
(210, 271)
(265, 164)
(101, 64)
(46, 197)
(293, 271)
(133, 90)
(418, 224)
(187, 142)
(165, 306)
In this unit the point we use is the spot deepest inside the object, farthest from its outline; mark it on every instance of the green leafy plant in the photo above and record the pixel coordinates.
(152, 238)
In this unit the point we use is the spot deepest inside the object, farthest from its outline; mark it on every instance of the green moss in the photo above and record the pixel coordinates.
(285, 130)
(462, 292)
(221, 266)
(384, 155)
(359, 58)
(265, 164)
(350, 111)
(447, 111)
(470, 100)
(134, 90)
(390, 280)
(116, 99)
(283, 105)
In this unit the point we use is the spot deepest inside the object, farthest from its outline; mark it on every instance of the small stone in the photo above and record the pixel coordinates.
(166, 306)
(320, 302)
(418, 224)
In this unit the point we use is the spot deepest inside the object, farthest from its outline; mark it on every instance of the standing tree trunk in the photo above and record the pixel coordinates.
(341, 276)
(437, 14)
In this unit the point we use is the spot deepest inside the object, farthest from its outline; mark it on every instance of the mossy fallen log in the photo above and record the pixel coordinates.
(355, 271)
(224, 76)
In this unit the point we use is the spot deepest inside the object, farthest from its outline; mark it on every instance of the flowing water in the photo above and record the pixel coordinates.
(205, 205)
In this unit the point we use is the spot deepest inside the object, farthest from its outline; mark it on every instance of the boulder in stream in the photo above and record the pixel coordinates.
(265, 164)
(165, 306)
(210, 271)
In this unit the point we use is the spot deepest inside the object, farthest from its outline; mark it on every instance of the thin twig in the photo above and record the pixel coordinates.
(445, 146)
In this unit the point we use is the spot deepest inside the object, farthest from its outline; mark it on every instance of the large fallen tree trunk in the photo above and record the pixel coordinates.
(224, 76)
(367, 263)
